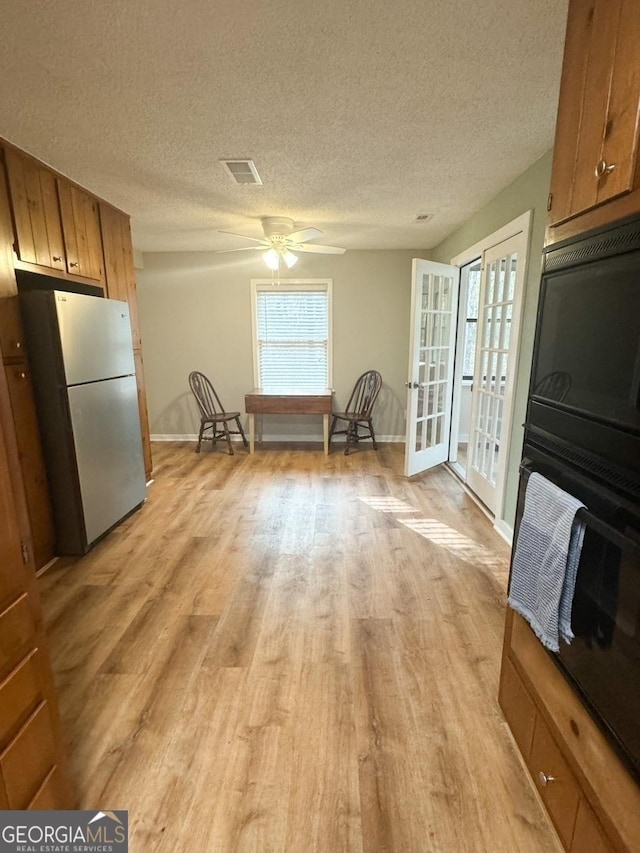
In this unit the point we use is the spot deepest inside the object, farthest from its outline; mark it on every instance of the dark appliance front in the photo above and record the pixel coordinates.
(583, 433)
(603, 660)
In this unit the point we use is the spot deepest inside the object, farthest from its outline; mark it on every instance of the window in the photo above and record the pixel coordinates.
(471, 321)
(292, 334)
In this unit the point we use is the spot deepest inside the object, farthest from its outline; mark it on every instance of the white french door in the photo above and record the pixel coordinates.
(434, 307)
(501, 288)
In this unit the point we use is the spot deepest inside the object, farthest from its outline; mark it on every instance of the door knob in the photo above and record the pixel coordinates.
(412, 385)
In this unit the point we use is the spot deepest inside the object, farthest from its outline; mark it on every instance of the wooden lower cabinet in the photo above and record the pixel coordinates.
(48, 794)
(588, 835)
(28, 759)
(519, 708)
(31, 461)
(554, 780)
(590, 797)
(30, 738)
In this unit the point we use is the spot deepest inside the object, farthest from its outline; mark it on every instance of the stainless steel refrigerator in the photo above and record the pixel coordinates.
(81, 357)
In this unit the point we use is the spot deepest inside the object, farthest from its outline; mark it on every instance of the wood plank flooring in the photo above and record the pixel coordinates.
(292, 652)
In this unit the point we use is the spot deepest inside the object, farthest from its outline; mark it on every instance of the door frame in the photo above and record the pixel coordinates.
(458, 381)
(521, 225)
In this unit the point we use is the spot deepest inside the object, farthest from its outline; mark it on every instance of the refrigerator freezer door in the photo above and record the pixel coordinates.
(106, 433)
(95, 337)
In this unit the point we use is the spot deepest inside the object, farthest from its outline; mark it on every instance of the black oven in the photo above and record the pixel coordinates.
(603, 660)
(585, 386)
(583, 433)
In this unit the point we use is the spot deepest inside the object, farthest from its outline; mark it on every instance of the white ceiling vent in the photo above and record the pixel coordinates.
(242, 171)
(421, 218)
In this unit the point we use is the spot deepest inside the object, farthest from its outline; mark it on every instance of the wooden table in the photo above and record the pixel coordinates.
(263, 402)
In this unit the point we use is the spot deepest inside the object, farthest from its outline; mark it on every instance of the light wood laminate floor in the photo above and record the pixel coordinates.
(289, 652)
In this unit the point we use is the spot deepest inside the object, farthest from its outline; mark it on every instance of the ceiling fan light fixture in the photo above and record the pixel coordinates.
(272, 259)
(290, 259)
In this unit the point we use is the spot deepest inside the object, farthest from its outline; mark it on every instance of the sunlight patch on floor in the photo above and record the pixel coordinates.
(434, 531)
(384, 503)
(448, 537)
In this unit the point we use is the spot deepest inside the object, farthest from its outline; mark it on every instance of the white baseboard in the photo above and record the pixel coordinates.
(503, 529)
(382, 439)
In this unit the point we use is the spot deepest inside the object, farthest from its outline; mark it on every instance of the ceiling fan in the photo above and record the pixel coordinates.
(281, 241)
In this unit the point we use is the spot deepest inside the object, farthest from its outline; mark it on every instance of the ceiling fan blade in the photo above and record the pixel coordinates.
(304, 234)
(243, 249)
(320, 250)
(246, 237)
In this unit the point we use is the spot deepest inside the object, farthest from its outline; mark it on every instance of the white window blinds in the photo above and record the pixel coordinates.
(292, 338)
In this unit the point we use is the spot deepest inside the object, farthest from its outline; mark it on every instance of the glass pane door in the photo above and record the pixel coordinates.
(434, 307)
(493, 370)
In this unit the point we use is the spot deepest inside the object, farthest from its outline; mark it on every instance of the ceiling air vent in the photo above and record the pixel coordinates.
(421, 218)
(242, 171)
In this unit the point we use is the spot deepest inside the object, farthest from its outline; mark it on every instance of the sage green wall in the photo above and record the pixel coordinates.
(195, 313)
(527, 192)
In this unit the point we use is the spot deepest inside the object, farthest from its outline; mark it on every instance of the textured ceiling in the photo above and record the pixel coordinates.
(359, 114)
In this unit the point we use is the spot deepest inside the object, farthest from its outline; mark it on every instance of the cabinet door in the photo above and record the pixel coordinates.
(144, 417)
(112, 224)
(12, 340)
(554, 780)
(8, 286)
(519, 708)
(11, 564)
(36, 212)
(29, 758)
(596, 146)
(81, 229)
(132, 293)
(32, 466)
(588, 835)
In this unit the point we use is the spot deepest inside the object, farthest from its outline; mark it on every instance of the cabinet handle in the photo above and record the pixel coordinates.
(57, 258)
(545, 779)
(603, 169)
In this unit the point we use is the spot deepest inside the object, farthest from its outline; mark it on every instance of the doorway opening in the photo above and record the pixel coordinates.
(463, 355)
(465, 365)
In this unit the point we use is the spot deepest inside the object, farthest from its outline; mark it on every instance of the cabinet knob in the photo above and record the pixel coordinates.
(603, 169)
(17, 344)
(545, 779)
(73, 264)
(57, 258)
(23, 375)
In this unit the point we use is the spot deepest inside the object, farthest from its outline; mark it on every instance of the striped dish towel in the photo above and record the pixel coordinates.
(545, 561)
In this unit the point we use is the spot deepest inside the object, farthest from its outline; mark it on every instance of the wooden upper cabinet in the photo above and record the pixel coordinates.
(81, 230)
(120, 274)
(596, 174)
(112, 224)
(36, 213)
